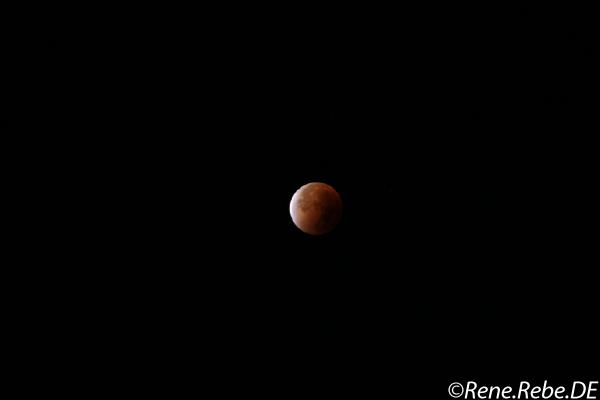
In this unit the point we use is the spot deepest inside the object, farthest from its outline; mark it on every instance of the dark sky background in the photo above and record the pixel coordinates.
(463, 249)
(456, 139)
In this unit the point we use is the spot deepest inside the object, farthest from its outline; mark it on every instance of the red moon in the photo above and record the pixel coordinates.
(316, 208)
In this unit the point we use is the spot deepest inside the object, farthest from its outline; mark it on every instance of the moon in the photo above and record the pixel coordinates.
(316, 208)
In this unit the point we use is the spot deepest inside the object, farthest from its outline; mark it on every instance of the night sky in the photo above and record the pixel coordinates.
(456, 138)
(463, 249)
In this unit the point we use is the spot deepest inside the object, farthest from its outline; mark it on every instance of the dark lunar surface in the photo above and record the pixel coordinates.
(316, 207)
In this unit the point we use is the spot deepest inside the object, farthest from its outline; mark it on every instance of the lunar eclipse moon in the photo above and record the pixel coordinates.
(316, 208)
